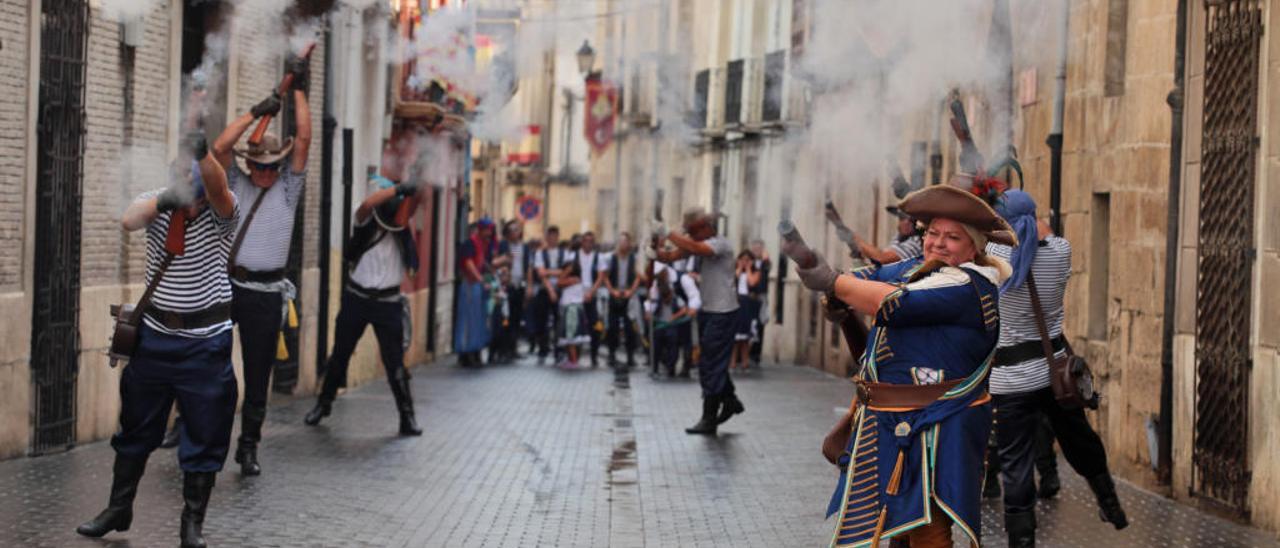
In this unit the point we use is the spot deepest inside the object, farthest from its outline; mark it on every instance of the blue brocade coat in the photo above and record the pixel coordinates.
(941, 324)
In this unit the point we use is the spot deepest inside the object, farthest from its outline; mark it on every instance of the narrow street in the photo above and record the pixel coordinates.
(533, 456)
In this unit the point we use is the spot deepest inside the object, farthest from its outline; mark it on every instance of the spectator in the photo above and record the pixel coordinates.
(748, 311)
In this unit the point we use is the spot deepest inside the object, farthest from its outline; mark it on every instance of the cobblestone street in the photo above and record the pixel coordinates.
(532, 456)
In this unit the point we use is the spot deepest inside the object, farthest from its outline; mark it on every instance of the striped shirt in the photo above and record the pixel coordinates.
(909, 248)
(197, 279)
(1051, 268)
(266, 245)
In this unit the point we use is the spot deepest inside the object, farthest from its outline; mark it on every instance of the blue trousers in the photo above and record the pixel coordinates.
(197, 374)
(715, 337)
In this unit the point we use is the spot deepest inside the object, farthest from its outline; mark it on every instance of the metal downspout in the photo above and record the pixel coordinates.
(1164, 469)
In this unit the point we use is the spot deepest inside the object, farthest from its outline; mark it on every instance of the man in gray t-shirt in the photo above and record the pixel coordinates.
(716, 318)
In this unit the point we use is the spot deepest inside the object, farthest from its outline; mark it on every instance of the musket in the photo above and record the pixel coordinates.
(842, 231)
(970, 158)
(285, 83)
(900, 184)
(795, 248)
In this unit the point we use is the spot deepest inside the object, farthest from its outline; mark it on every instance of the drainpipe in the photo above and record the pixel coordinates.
(1055, 134)
(1165, 465)
(329, 124)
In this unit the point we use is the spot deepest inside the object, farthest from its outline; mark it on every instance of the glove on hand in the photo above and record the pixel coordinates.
(270, 105)
(300, 68)
(819, 278)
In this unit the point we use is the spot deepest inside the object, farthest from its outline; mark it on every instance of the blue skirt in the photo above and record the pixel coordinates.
(746, 324)
(471, 330)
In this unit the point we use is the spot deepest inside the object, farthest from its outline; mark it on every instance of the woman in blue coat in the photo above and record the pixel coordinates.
(917, 432)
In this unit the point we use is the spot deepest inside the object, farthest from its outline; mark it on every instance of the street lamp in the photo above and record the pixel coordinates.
(586, 58)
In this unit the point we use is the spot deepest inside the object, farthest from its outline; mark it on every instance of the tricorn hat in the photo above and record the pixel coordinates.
(949, 202)
(269, 151)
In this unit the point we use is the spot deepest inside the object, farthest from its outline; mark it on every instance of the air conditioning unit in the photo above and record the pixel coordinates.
(715, 103)
(753, 95)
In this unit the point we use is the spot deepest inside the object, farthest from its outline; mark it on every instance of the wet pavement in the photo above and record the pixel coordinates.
(524, 455)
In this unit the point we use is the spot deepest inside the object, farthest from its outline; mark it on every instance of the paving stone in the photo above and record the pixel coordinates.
(526, 455)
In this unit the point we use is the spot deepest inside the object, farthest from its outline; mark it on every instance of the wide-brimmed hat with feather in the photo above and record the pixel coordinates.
(946, 201)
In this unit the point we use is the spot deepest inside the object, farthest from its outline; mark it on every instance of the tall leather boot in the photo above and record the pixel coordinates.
(404, 403)
(125, 475)
(251, 418)
(324, 402)
(732, 406)
(1050, 484)
(1109, 509)
(1021, 528)
(196, 487)
(707, 424)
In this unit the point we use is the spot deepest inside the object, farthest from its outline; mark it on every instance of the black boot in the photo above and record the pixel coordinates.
(324, 402)
(404, 404)
(196, 487)
(324, 406)
(125, 474)
(732, 406)
(1108, 503)
(707, 424)
(1021, 528)
(1049, 482)
(251, 418)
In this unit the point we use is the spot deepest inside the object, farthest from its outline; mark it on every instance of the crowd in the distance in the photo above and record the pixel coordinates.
(569, 297)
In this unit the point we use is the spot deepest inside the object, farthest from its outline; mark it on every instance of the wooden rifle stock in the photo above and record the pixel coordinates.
(285, 83)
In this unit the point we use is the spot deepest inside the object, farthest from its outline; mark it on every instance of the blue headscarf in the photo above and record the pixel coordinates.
(1019, 210)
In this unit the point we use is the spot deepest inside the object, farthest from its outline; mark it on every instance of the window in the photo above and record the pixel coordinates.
(733, 92)
(1099, 265)
(698, 111)
(774, 71)
(1117, 37)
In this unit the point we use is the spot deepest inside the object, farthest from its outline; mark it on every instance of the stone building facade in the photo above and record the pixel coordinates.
(133, 99)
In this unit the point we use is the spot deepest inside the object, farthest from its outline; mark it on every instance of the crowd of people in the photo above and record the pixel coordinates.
(959, 331)
(565, 299)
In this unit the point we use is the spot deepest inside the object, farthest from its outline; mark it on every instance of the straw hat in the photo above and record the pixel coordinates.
(269, 151)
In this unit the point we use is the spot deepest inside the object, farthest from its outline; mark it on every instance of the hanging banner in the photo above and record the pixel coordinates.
(601, 113)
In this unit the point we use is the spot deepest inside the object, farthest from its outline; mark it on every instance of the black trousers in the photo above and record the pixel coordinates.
(620, 327)
(715, 337)
(544, 318)
(1019, 417)
(357, 313)
(197, 374)
(515, 320)
(593, 317)
(257, 313)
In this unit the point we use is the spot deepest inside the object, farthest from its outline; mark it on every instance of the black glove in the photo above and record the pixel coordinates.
(405, 190)
(300, 68)
(195, 143)
(270, 105)
(171, 199)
